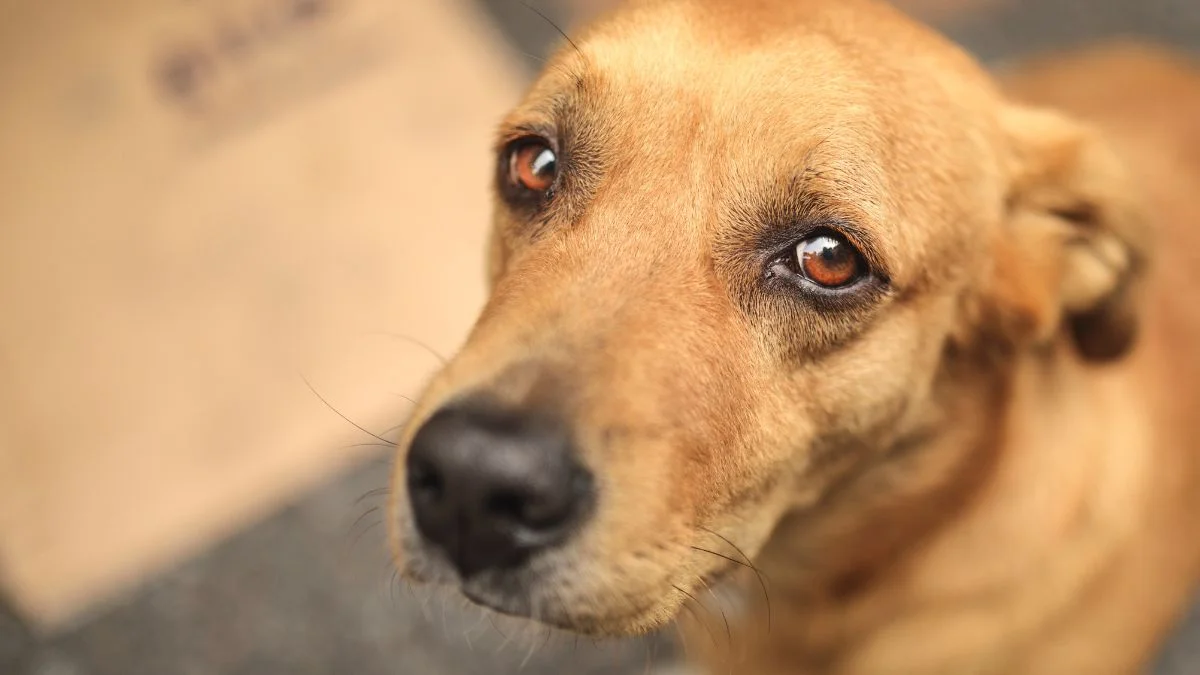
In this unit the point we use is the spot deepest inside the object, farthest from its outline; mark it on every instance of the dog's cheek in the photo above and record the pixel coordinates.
(497, 256)
(501, 243)
(861, 384)
(862, 398)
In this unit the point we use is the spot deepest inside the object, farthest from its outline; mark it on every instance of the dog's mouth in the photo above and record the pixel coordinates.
(508, 593)
(583, 617)
(501, 505)
(581, 594)
(518, 605)
(562, 597)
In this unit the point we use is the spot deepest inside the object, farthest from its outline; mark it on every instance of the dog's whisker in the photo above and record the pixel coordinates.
(364, 532)
(683, 643)
(720, 555)
(507, 639)
(369, 494)
(387, 445)
(553, 25)
(339, 413)
(394, 428)
(423, 604)
(528, 655)
(395, 580)
(564, 607)
(749, 563)
(473, 628)
(495, 627)
(535, 57)
(695, 615)
(414, 341)
(467, 638)
(365, 514)
(717, 601)
(357, 533)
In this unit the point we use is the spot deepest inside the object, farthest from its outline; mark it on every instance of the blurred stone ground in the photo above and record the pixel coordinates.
(309, 592)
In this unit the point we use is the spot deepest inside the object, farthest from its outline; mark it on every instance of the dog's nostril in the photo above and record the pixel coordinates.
(532, 511)
(425, 482)
(508, 505)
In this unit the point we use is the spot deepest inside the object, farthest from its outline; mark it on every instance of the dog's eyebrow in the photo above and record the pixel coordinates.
(550, 119)
(788, 210)
(550, 115)
(509, 132)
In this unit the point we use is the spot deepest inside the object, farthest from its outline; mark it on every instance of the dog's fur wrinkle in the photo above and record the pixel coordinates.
(981, 460)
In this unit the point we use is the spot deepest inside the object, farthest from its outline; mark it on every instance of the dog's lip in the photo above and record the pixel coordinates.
(518, 601)
(483, 591)
(517, 607)
(507, 605)
(521, 606)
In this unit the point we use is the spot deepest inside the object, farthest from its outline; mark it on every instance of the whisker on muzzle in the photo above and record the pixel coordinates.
(392, 584)
(340, 414)
(717, 601)
(372, 494)
(415, 342)
(365, 530)
(695, 615)
(748, 564)
(497, 628)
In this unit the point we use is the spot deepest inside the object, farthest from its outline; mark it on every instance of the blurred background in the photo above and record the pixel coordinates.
(221, 220)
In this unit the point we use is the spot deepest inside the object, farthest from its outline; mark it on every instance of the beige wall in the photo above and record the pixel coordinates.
(199, 202)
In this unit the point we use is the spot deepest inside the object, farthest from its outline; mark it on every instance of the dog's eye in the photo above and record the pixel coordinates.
(829, 261)
(532, 165)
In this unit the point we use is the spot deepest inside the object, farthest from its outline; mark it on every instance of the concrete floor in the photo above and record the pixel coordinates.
(309, 590)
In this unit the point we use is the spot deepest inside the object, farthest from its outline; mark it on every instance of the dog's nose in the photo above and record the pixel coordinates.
(490, 488)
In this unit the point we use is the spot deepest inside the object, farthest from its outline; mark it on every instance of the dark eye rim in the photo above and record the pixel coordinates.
(510, 188)
(784, 271)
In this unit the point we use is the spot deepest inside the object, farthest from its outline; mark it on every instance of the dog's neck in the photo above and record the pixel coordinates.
(1020, 493)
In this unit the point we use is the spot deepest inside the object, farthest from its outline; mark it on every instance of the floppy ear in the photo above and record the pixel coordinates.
(1073, 246)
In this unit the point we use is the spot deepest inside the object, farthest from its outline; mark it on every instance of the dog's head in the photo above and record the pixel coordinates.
(735, 245)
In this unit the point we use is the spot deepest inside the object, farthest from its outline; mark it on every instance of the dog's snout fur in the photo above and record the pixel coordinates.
(809, 296)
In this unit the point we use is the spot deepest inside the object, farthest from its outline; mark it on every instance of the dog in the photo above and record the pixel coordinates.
(793, 295)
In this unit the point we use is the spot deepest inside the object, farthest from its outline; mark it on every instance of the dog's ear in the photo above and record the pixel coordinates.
(1073, 244)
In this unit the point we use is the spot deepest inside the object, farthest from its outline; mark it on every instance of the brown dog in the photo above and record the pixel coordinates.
(793, 281)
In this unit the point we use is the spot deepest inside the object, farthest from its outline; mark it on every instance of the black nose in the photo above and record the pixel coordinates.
(490, 488)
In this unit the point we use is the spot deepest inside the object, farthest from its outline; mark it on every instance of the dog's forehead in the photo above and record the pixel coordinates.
(657, 96)
(664, 78)
(749, 72)
(680, 36)
(758, 62)
(699, 52)
(695, 107)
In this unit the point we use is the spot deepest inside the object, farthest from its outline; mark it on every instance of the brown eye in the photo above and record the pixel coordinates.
(829, 261)
(533, 166)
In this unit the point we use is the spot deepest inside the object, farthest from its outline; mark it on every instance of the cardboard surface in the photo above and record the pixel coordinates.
(201, 202)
